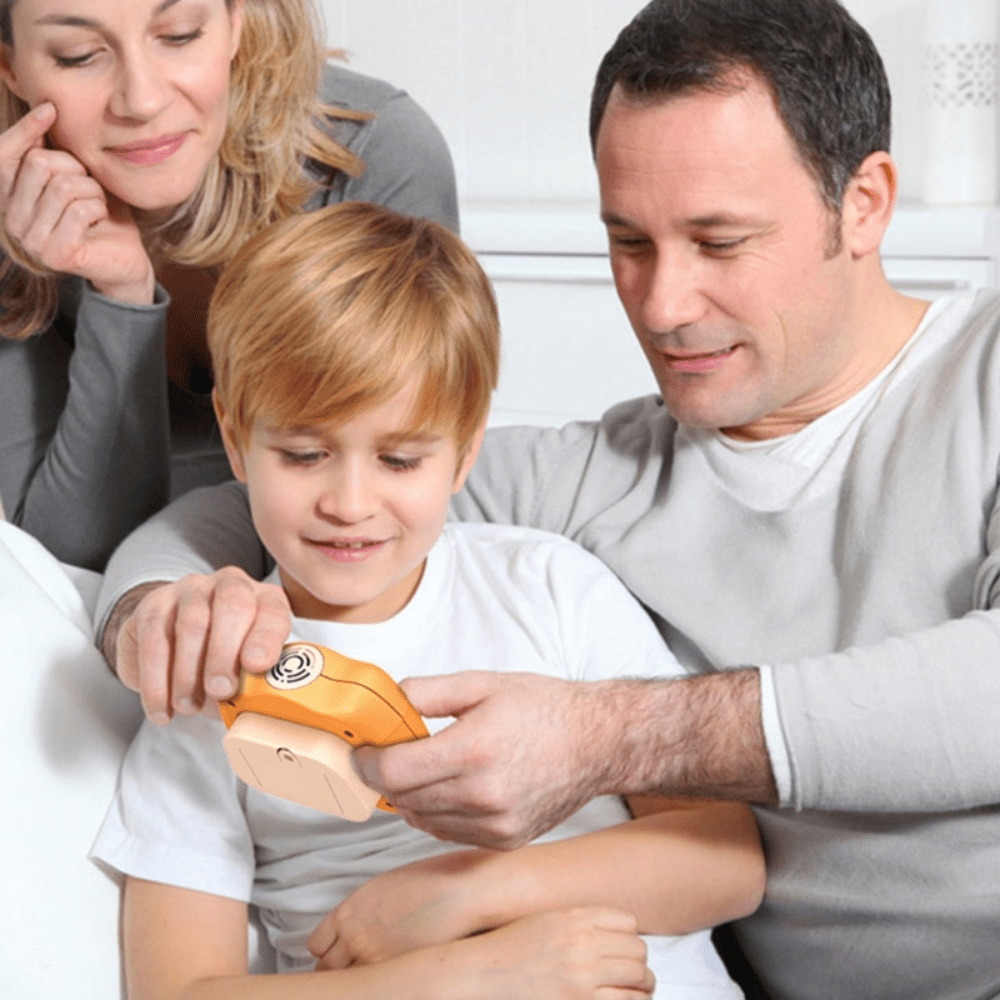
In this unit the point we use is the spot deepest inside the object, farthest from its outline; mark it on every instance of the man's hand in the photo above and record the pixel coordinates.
(527, 751)
(524, 752)
(181, 643)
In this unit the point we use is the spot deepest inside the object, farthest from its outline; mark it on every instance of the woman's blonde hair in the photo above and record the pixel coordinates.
(330, 313)
(259, 175)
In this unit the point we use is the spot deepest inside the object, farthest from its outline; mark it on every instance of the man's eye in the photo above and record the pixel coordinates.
(720, 246)
(629, 243)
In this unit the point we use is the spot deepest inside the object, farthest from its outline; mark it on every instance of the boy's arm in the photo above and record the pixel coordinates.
(680, 866)
(186, 945)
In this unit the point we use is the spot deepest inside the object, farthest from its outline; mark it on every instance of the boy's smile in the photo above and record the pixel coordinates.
(350, 510)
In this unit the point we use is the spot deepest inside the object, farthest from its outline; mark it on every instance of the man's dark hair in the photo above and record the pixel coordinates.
(822, 67)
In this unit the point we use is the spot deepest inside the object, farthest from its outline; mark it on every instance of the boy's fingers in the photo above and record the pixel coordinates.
(323, 936)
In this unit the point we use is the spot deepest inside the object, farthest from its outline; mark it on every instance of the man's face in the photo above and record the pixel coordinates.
(720, 247)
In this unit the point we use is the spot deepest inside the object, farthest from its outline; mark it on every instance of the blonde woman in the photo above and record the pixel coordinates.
(144, 141)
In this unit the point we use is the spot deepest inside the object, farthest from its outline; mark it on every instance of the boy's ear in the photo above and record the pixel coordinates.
(869, 201)
(468, 459)
(233, 452)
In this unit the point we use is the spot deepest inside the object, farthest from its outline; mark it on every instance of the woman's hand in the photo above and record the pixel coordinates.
(427, 902)
(63, 219)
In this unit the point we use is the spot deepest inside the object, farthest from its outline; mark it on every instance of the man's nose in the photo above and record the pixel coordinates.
(673, 295)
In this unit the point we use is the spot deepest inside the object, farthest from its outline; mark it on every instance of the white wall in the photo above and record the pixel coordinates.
(509, 82)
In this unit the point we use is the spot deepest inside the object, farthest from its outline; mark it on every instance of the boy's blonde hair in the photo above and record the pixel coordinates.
(276, 125)
(330, 313)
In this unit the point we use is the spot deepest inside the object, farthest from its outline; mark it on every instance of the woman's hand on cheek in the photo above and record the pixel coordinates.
(64, 220)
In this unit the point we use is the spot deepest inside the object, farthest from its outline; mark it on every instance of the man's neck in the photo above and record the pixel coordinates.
(888, 322)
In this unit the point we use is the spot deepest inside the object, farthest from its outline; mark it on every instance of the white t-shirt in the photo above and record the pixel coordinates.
(491, 598)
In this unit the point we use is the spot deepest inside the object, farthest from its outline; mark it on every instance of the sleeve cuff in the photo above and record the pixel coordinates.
(774, 736)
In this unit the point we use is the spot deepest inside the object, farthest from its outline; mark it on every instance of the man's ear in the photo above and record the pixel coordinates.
(233, 452)
(869, 202)
(469, 458)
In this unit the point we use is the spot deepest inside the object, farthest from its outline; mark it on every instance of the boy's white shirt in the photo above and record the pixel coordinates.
(492, 598)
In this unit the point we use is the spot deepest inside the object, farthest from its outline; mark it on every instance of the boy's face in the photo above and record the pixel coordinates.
(349, 511)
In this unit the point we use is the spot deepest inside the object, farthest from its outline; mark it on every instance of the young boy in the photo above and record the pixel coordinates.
(355, 352)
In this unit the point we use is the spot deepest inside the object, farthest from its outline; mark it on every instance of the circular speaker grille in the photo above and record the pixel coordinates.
(299, 665)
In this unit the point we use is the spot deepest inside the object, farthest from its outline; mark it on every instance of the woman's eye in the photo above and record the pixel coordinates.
(68, 62)
(185, 39)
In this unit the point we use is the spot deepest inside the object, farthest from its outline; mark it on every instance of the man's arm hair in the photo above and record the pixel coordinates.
(698, 736)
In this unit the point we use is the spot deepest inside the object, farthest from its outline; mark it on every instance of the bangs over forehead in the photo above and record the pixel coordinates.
(330, 313)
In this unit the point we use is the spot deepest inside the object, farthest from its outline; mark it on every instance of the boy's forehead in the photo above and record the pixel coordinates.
(386, 434)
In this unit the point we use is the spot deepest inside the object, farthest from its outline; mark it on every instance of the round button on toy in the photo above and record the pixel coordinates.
(292, 729)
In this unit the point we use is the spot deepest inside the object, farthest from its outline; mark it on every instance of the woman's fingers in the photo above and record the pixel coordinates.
(63, 213)
(25, 134)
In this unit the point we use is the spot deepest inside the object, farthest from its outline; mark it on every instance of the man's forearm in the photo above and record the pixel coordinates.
(699, 736)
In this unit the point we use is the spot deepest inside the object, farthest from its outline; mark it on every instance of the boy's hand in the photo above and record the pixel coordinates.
(185, 642)
(427, 902)
(578, 954)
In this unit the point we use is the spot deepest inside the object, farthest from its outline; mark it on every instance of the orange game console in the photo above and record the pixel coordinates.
(292, 729)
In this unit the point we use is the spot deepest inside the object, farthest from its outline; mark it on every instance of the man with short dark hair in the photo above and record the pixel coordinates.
(809, 512)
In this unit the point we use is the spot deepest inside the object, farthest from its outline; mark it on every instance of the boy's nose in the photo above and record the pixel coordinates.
(348, 497)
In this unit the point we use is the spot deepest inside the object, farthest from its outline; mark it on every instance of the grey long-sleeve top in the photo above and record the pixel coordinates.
(93, 438)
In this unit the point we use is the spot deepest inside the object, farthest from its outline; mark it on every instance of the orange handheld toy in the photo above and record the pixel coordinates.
(292, 728)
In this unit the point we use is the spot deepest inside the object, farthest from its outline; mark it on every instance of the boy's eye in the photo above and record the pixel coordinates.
(300, 457)
(400, 463)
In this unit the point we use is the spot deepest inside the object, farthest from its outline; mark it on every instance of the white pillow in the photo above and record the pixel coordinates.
(66, 721)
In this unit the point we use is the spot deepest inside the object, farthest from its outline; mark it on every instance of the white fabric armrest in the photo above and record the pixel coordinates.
(66, 722)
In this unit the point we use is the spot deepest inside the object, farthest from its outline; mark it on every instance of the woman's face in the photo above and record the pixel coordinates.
(141, 87)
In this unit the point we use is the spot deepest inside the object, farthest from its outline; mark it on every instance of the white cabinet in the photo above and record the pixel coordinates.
(569, 352)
